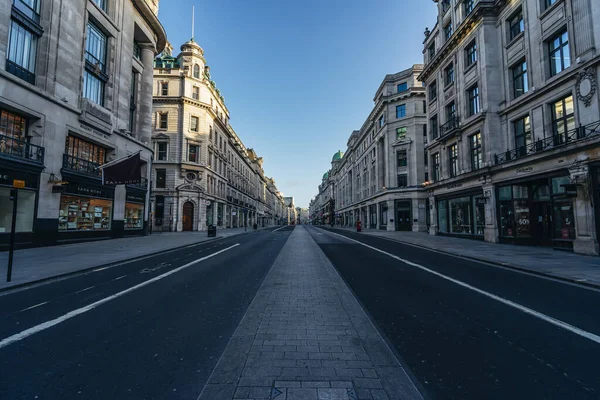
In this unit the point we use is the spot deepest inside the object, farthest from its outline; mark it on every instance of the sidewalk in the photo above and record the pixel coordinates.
(30, 265)
(539, 260)
(305, 337)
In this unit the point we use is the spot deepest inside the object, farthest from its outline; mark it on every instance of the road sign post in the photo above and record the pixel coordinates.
(14, 195)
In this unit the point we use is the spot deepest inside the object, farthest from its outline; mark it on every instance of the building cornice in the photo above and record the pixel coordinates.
(152, 19)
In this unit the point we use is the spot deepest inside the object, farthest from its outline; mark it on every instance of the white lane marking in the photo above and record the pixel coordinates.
(83, 290)
(37, 305)
(526, 310)
(279, 229)
(48, 324)
(120, 277)
(101, 269)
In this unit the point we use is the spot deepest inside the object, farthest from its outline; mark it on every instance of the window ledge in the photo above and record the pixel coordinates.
(432, 100)
(515, 40)
(470, 67)
(448, 86)
(548, 10)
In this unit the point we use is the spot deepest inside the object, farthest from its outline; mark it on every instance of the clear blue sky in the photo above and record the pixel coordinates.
(299, 77)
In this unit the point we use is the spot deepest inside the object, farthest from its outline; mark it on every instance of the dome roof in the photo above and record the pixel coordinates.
(193, 45)
(337, 156)
(326, 175)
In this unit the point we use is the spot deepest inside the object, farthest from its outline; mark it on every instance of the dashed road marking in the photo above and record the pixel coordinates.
(120, 277)
(86, 289)
(32, 307)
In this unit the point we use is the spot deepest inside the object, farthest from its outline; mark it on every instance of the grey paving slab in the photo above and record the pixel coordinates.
(305, 314)
(560, 264)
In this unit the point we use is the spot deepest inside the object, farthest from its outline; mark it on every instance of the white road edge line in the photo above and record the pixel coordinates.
(279, 229)
(32, 307)
(48, 324)
(101, 269)
(556, 322)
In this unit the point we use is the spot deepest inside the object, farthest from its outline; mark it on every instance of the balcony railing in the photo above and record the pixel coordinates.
(21, 149)
(81, 166)
(550, 142)
(449, 126)
(20, 72)
(143, 185)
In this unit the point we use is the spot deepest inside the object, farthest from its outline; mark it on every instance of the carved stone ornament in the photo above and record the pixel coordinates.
(586, 87)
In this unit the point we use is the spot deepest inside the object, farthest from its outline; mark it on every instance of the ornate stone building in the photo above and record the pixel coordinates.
(513, 121)
(75, 93)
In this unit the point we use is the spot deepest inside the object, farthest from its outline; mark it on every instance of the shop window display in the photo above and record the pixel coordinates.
(443, 216)
(84, 214)
(564, 221)
(134, 216)
(25, 211)
(478, 216)
(460, 215)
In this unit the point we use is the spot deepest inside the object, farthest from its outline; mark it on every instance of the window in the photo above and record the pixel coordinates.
(196, 93)
(194, 124)
(433, 91)
(161, 178)
(22, 50)
(445, 5)
(520, 83)
(403, 87)
(476, 154)
(31, 8)
(401, 159)
(402, 180)
(82, 150)
(516, 24)
(161, 151)
(451, 111)
(132, 101)
(137, 51)
(563, 119)
(196, 71)
(453, 160)
(101, 4)
(431, 51)
(473, 100)
(522, 129)
(548, 3)
(424, 107)
(94, 77)
(193, 153)
(163, 120)
(435, 167)
(471, 52)
(12, 125)
(469, 6)
(560, 55)
(382, 120)
(164, 88)
(433, 127)
(401, 133)
(401, 111)
(448, 31)
(449, 74)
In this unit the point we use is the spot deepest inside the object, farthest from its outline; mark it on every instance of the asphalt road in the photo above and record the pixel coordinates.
(158, 341)
(461, 344)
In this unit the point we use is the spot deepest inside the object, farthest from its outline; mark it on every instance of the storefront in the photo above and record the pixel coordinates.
(26, 205)
(373, 216)
(462, 215)
(220, 214)
(134, 211)
(85, 211)
(383, 215)
(403, 215)
(537, 212)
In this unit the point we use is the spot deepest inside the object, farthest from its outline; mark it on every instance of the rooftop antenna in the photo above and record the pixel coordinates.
(192, 23)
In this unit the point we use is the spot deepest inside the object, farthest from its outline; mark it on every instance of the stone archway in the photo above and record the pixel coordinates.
(188, 216)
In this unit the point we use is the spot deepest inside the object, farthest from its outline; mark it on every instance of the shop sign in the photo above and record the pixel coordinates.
(135, 198)
(570, 190)
(89, 190)
(454, 185)
(58, 188)
(8, 177)
(481, 201)
(524, 170)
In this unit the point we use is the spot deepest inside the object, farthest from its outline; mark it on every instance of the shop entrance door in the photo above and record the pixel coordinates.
(403, 216)
(542, 223)
(188, 216)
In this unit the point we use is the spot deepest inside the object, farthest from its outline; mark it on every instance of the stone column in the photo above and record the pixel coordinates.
(433, 227)
(391, 216)
(144, 127)
(490, 232)
(586, 241)
(419, 213)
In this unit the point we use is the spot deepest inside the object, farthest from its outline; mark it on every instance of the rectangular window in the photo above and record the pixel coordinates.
(78, 213)
(161, 151)
(471, 53)
(94, 77)
(194, 124)
(445, 5)
(382, 120)
(163, 120)
(474, 100)
(82, 150)
(450, 111)
(516, 24)
(25, 210)
(449, 74)
(401, 111)
(401, 159)
(431, 51)
(433, 127)
(164, 88)
(401, 133)
(563, 119)
(448, 31)
(522, 129)
(520, 82)
(196, 93)
(560, 55)
(161, 178)
(402, 180)
(453, 160)
(433, 91)
(435, 167)
(476, 153)
(469, 6)
(22, 51)
(101, 4)
(31, 8)
(12, 125)
(403, 87)
(132, 101)
(548, 3)
(193, 153)
(424, 107)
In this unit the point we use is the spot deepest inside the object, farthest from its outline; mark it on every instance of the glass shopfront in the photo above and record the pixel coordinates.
(85, 208)
(134, 211)
(26, 201)
(383, 214)
(537, 212)
(373, 216)
(463, 215)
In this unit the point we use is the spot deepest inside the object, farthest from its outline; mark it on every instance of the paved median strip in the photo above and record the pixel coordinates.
(561, 324)
(48, 324)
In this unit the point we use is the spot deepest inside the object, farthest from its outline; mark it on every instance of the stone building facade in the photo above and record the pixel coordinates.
(513, 122)
(203, 173)
(379, 179)
(75, 93)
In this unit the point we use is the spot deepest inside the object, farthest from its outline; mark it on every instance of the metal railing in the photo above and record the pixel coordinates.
(81, 166)
(549, 142)
(20, 72)
(21, 149)
(449, 126)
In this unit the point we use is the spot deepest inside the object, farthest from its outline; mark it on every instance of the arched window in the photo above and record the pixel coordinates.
(196, 71)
